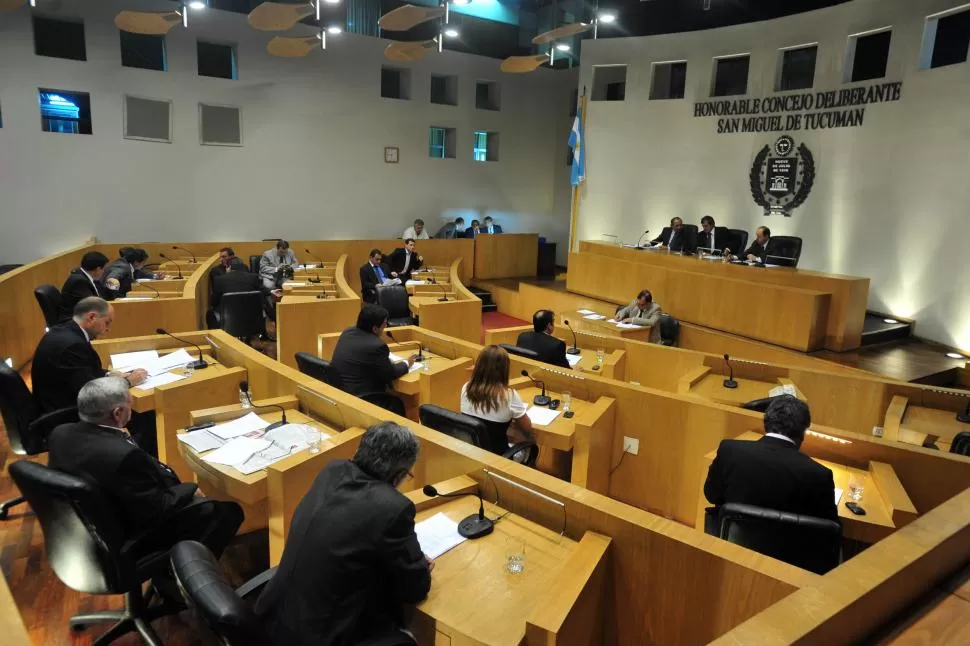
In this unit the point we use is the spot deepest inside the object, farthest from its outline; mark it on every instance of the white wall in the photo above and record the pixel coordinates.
(890, 197)
(314, 132)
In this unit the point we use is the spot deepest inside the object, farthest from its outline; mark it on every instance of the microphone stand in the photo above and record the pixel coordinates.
(641, 238)
(196, 365)
(574, 349)
(474, 526)
(444, 292)
(729, 382)
(191, 255)
(244, 388)
(177, 266)
(538, 400)
(157, 295)
(317, 276)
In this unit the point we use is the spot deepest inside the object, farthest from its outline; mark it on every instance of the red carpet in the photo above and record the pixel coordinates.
(493, 320)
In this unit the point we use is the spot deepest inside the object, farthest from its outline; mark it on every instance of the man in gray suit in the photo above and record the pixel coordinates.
(454, 229)
(271, 262)
(643, 311)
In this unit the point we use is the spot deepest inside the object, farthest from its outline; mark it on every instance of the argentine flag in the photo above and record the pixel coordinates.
(579, 152)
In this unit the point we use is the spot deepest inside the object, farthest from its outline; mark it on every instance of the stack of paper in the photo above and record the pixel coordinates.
(838, 495)
(416, 282)
(134, 298)
(627, 326)
(126, 361)
(541, 416)
(237, 451)
(290, 283)
(417, 365)
(595, 317)
(160, 380)
(201, 441)
(239, 426)
(437, 535)
(584, 312)
(573, 359)
(166, 362)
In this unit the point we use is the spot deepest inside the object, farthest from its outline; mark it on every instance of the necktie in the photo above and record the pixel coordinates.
(380, 274)
(407, 261)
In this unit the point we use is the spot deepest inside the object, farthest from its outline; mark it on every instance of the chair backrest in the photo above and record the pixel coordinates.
(459, 426)
(669, 329)
(387, 401)
(811, 543)
(254, 263)
(17, 407)
(5, 268)
(526, 453)
(49, 299)
(519, 352)
(788, 247)
(739, 241)
(961, 443)
(241, 313)
(319, 369)
(395, 300)
(690, 230)
(82, 538)
(205, 588)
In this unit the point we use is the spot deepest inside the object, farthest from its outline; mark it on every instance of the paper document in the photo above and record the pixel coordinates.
(168, 361)
(201, 441)
(126, 361)
(237, 451)
(160, 380)
(627, 326)
(239, 426)
(437, 535)
(838, 496)
(291, 436)
(262, 459)
(308, 266)
(388, 282)
(417, 282)
(541, 416)
(595, 317)
(143, 280)
(584, 312)
(396, 358)
(573, 359)
(135, 298)
(292, 284)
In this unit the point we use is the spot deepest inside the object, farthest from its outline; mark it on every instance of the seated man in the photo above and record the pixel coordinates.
(452, 230)
(276, 263)
(237, 278)
(490, 226)
(143, 493)
(473, 230)
(120, 275)
(675, 237)
(643, 311)
(228, 260)
(352, 566)
(83, 282)
(361, 356)
(761, 247)
(712, 237)
(772, 472)
(372, 275)
(404, 260)
(540, 340)
(416, 231)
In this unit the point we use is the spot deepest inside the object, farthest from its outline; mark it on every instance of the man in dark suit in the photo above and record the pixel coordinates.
(772, 472)
(238, 278)
(353, 565)
(452, 230)
(474, 229)
(228, 261)
(762, 246)
(142, 492)
(675, 237)
(490, 226)
(372, 275)
(712, 237)
(119, 276)
(404, 260)
(82, 282)
(362, 359)
(540, 340)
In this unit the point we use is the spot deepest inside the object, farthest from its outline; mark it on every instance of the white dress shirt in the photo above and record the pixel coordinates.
(779, 436)
(409, 233)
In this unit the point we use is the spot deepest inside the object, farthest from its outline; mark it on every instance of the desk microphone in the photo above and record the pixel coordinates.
(538, 400)
(316, 278)
(244, 388)
(474, 526)
(641, 238)
(729, 382)
(192, 255)
(177, 266)
(195, 365)
(417, 357)
(444, 292)
(157, 295)
(574, 349)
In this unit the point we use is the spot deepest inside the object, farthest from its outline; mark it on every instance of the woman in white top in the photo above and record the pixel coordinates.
(488, 397)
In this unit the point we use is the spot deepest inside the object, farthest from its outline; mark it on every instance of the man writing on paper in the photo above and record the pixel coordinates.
(643, 311)
(404, 260)
(119, 275)
(352, 566)
(361, 357)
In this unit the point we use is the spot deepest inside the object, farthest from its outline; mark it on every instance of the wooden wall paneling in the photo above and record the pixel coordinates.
(498, 336)
(593, 446)
(506, 255)
(461, 317)
(443, 386)
(300, 319)
(341, 271)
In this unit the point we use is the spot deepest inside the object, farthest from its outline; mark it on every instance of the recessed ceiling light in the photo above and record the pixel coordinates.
(890, 321)
(334, 29)
(332, 1)
(460, 2)
(197, 4)
(563, 47)
(607, 18)
(955, 355)
(451, 33)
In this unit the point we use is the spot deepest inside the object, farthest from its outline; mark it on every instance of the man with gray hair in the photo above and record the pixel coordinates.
(143, 492)
(352, 565)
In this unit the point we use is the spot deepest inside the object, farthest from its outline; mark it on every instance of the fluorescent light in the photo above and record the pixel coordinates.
(460, 2)
(955, 355)
(451, 33)
(606, 18)
(332, 1)
(334, 29)
(563, 47)
(197, 4)
(9, 362)
(890, 321)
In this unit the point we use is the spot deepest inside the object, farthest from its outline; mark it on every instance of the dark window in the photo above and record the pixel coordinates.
(616, 91)
(669, 81)
(609, 83)
(731, 76)
(487, 95)
(1, 116)
(65, 112)
(218, 61)
(952, 39)
(143, 51)
(59, 39)
(444, 90)
(395, 83)
(870, 57)
(573, 105)
(798, 68)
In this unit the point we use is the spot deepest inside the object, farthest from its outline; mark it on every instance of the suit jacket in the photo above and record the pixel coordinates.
(683, 241)
(649, 316)
(756, 249)
(351, 564)
(549, 348)
(369, 280)
(77, 286)
(470, 232)
(270, 262)
(234, 281)
(771, 473)
(63, 362)
(234, 262)
(121, 271)
(396, 263)
(449, 231)
(363, 363)
(496, 229)
(141, 489)
(722, 239)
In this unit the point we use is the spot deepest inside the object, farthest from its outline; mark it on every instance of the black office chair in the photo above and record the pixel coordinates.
(466, 428)
(811, 543)
(738, 242)
(322, 370)
(204, 587)
(690, 230)
(241, 314)
(89, 552)
(395, 300)
(669, 330)
(787, 247)
(387, 401)
(5, 268)
(49, 299)
(27, 432)
(254, 263)
(961, 443)
(519, 352)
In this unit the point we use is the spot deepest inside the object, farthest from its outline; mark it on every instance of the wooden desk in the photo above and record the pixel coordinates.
(602, 326)
(144, 400)
(711, 387)
(506, 255)
(920, 424)
(410, 384)
(559, 434)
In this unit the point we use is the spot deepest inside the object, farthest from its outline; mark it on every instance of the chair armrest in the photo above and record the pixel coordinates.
(39, 430)
(513, 450)
(256, 584)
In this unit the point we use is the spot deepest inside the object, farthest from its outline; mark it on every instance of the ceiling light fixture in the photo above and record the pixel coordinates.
(334, 29)
(890, 321)
(451, 33)
(332, 1)
(955, 355)
(563, 47)
(460, 2)
(197, 4)
(606, 18)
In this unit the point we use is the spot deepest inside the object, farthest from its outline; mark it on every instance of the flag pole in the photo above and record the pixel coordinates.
(574, 204)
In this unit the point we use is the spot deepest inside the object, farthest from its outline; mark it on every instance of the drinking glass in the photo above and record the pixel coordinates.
(514, 555)
(188, 370)
(427, 360)
(855, 490)
(600, 355)
(567, 401)
(312, 436)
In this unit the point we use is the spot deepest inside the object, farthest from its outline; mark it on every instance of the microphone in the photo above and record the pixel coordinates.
(177, 266)
(444, 292)
(417, 357)
(538, 400)
(316, 278)
(244, 389)
(574, 349)
(185, 250)
(196, 365)
(641, 238)
(729, 382)
(474, 526)
(157, 295)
